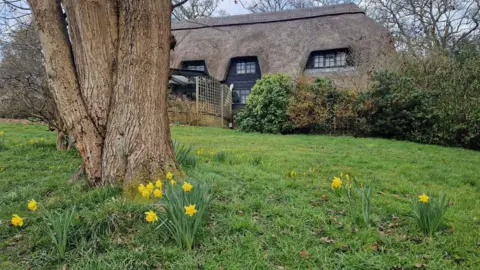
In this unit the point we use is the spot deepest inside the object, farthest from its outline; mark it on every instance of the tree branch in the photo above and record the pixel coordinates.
(179, 4)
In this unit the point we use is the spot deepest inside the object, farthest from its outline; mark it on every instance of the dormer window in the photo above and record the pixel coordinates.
(195, 65)
(329, 59)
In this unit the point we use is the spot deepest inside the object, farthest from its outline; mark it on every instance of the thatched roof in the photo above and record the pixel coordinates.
(282, 41)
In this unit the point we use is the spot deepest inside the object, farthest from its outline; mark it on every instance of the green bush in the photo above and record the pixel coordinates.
(395, 108)
(319, 107)
(266, 109)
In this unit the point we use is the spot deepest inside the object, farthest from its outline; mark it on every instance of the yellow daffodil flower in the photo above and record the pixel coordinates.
(169, 175)
(145, 193)
(424, 198)
(158, 193)
(2, 133)
(32, 205)
(173, 182)
(141, 188)
(17, 221)
(149, 187)
(158, 184)
(336, 183)
(150, 216)
(187, 187)
(190, 210)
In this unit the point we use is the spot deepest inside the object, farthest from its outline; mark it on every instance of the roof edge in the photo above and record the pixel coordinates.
(201, 26)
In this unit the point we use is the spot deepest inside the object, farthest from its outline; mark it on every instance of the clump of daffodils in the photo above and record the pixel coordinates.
(428, 211)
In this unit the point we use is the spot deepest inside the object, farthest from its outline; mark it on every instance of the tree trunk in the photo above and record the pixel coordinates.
(109, 75)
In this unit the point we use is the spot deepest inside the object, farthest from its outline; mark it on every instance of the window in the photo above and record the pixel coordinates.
(246, 68)
(329, 59)
(194, 65)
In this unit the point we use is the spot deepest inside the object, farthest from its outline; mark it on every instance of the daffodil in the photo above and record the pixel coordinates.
(190, 210)
(141, 188)
(169, 175)
(32, 205)
(158, 184)
(293, 174)
(348, 177)
(424, 198)
(173, 182)
(17, 221)
(158, 193)
(145, 193)
(150, 216)
(2, 133)
(341, 175)
(187, 187)
(149, 187)
(336, 183)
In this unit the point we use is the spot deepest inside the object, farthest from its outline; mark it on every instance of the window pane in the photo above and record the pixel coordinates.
(330, 60)
(241, 68)
(341, 59)
(250, 67)
(318, 61)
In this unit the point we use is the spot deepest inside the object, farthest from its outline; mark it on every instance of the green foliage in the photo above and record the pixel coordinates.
(266, 105)
(182, 227)
(220, 156)
(58, 226)
(185, 157)
(359, 200)
(429, 215)
(395, 108)
(2, 141)
(319, 107)
(454, 81)
(255, 161)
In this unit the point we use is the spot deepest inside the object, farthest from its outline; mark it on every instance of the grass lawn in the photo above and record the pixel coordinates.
(260, 218)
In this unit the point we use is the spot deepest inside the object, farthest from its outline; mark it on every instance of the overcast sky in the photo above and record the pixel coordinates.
(231, 8)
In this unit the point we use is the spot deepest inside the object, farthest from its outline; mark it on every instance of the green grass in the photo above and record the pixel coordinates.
(261, 218)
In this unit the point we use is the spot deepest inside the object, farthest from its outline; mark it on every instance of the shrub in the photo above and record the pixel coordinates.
(185, 156)
(266, 105)
(186, 210)
(58, 227)
(395, 108)
(428, 212)
(319, 107)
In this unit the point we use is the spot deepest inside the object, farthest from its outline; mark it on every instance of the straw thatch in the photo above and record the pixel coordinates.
(282, 41)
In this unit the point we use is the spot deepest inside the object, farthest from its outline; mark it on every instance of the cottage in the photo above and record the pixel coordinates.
(337, 41)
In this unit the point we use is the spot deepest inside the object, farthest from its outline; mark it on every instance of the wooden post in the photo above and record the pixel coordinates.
(221, 103)
(197, 90)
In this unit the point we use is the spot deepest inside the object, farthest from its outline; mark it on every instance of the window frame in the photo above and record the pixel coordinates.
(187, 65)
(328, 59)
(246, 67)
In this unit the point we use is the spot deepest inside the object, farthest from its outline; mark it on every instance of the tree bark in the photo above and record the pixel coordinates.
(109, 76)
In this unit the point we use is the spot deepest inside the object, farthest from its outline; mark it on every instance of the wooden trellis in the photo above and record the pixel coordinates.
(213, 98)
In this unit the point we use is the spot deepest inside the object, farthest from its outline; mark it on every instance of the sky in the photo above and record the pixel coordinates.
(231, 8)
